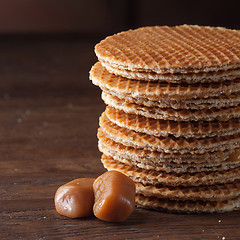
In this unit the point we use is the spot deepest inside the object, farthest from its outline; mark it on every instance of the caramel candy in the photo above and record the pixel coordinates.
(75, 199)
(114, 196)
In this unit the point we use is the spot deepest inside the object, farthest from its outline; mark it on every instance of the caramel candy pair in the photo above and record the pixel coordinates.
(111, 197)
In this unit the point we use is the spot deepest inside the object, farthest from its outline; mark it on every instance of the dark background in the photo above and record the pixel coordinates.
(102, 17)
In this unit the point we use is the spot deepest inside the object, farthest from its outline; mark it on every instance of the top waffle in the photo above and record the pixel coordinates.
(172, 51)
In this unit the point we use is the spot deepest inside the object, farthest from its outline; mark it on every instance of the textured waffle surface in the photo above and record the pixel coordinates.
(171, 179)
(218, 192)
(157, 90)
(203, 77)
(221, 114)
(171, 167)
(166, 162)
(172, 49)
(139, 154)
(187, 206)
(166, 144)
(221, 101)
(176, 128)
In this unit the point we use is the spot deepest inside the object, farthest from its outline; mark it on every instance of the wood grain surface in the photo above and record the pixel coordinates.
(48, 120)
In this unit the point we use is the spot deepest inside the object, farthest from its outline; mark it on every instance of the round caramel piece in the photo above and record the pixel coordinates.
(114, 196)
(75, 199)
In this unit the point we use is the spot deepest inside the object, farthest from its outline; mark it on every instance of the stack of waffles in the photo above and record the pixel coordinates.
(172, 121)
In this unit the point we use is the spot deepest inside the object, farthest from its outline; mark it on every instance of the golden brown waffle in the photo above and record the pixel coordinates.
(141, 155)
(222, 101)
(170, 168)
(168, 162)
(166, 144)
(203, 77)
(187, 206)
(179, 49)
(222, 114)
(171, 179)
(155, 91)
(164, 128)
(218, 192)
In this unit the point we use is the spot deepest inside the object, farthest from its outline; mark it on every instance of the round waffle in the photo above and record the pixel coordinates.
(153, 177)
(155, 91)
(221, 101)
(160, 204)
(168, 162)
(142, 155)
(221, 114)
(164, 128)
(219, 192)
(168, 144)
(203, 77)
(179, 49)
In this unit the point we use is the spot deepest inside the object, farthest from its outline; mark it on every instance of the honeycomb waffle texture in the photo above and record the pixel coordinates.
(208, 114)
(154, 91)
(179, 49)
(160, 127)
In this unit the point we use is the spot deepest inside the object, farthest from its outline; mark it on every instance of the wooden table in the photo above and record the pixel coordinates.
(48, 120)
